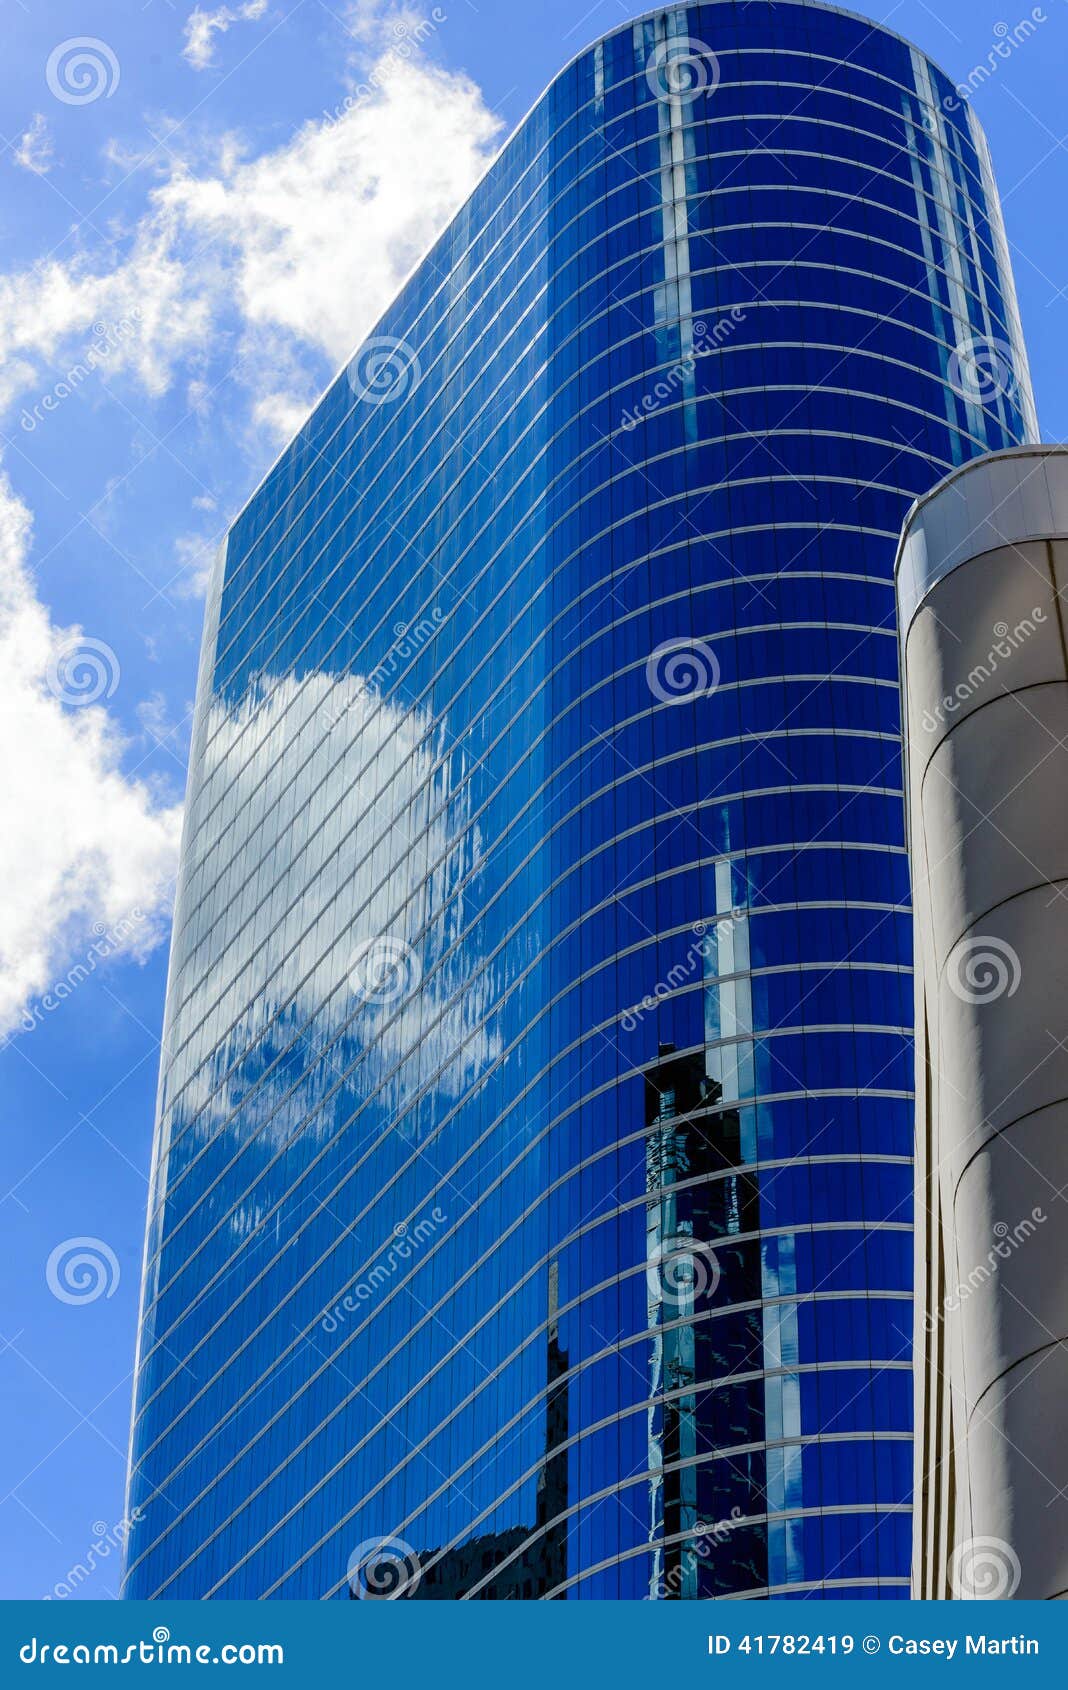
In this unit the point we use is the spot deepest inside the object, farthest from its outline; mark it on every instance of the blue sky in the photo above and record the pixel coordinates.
(202, 211)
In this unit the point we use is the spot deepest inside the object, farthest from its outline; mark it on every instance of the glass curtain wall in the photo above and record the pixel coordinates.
(530, 1212)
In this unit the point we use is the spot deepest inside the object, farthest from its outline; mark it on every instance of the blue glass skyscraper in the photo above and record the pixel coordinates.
(530, 1213)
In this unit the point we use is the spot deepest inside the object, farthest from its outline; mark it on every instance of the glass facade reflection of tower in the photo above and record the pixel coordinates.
(530, 1207)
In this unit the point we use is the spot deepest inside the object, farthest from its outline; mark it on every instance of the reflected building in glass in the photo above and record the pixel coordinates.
(530, 1213)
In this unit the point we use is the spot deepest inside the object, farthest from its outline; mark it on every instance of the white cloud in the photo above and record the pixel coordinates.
(372, 769)
(202, 27)
(157, 726)
(34, 150)
(50, 310)
(305, 245)
(279, 415)
(287, 258)
(365, 19)
(194, 555)
(83, 849)
(318, 235)
(375, 24)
